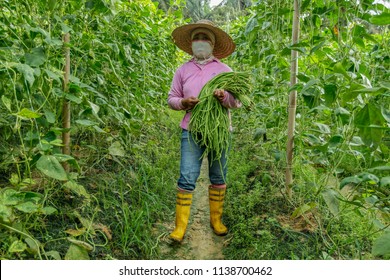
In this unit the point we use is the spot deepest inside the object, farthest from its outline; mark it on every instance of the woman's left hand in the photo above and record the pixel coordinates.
(219, 94)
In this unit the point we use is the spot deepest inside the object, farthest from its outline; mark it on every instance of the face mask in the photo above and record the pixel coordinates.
(202, 49)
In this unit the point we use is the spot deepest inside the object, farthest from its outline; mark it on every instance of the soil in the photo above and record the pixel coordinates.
(200, 242)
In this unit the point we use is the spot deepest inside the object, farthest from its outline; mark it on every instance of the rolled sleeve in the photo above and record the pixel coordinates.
(176, 94)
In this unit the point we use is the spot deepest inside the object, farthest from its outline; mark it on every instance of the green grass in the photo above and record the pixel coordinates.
(124, 197)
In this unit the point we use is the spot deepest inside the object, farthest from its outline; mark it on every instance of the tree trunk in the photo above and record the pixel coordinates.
(66, 103)
(292, 101)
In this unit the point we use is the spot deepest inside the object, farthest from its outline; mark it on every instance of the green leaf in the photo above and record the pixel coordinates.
(321, 109)
(50, 116)
(302, 77)
(36, 58)
(27, 207)
(17, 247)
(48, 210)
(330, 93)
(385, 181)
(50, 166)
(11, 197)
(86, 122)
(311, 93)
(6, 102)
(5, 213)
(53, 75)
(28, 114)
(14, 180)
(27, 72)
(381, 246)
(356, 141)
(58, 143)
(380, 168)
(382, 19)
(116, 149)
(73, 98)
(32, 135)
(53, 254)
(368, 177)
(66, 158)
(38, 31)
(350, 180)
(358, 31)
(317, 47)
(330, 197)
(51, 4)
(335, 140)
(266, 24)
(366, 120)
(323, 128)
(77, 189)
(98, 129)
(44, 146)
(63, 157)
(27, 182)
(303, 209)
(312, 139)
(76, 252)
(372, 91)
(74, 87)
(33, 244)
(359, 41)
(36, 197)
(339, 68)
(386, 114)
(340, 111)
(65, 28)
(95, 108)
(251, 24)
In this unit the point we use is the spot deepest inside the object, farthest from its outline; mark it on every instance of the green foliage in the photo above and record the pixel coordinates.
(122, 61)
(125, 141)
(382, 246)
(342, 122)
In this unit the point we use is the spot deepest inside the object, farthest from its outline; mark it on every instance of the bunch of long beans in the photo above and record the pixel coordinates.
(209, 122)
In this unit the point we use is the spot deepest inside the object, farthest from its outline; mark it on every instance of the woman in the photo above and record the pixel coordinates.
(207, 44)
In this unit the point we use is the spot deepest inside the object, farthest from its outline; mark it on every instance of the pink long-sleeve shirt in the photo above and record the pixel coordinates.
(188, 81)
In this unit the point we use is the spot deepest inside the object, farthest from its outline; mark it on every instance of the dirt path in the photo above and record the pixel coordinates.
(200, 243)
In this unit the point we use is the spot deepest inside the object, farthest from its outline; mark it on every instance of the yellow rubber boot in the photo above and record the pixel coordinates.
(183, 207)
(216, 199)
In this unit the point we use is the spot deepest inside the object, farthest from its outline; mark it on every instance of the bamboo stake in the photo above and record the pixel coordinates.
(292, 101)
(66, 103)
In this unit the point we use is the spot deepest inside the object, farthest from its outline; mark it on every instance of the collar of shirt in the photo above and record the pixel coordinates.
(193, 60)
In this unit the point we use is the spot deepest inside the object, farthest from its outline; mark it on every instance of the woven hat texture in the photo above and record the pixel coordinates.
(224, 45)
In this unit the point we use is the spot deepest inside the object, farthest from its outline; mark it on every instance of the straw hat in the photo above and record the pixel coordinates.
(224, 44)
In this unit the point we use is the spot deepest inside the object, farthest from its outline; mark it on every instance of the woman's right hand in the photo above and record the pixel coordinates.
(189, 103)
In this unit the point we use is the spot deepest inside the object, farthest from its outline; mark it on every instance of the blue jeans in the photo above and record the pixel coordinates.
(191, 161)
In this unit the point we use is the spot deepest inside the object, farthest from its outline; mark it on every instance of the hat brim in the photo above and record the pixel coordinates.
(224, 45)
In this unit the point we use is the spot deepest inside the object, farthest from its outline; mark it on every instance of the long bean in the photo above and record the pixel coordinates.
(209, 122)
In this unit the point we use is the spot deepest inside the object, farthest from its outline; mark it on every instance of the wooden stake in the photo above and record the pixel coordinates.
(66, 103)
(292, 104)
